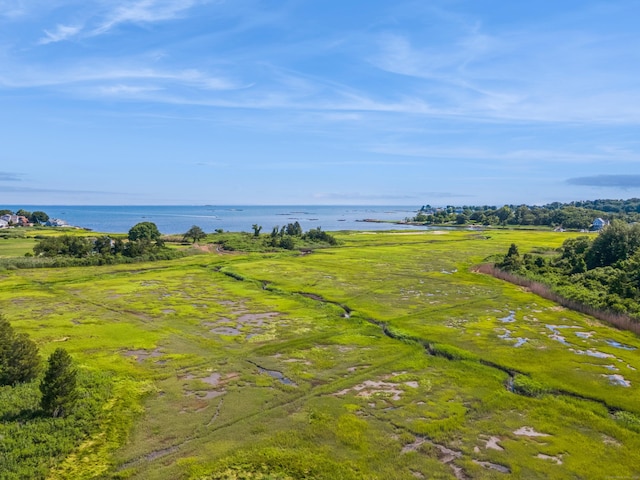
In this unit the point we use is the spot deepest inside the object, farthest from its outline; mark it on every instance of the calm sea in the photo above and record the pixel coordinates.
(178, 219)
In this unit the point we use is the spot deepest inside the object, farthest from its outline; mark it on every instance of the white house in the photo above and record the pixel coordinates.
(598, 224)
(3, 223)
(56, 222)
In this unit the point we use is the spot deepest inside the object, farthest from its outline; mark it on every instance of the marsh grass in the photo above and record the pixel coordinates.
(618, 320)
(150, 329)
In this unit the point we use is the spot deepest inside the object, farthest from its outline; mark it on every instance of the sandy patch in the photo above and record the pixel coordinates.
(607, 440)
(369, 388)
(529, 432)
(298, 360)
(557, 460)
(492, 443)
(412, 447)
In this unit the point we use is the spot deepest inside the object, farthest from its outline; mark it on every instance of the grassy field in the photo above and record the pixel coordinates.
(383, 358)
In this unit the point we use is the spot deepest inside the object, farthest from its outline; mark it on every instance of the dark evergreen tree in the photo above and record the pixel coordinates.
(512, 260)
(58, 386)
(19, 360)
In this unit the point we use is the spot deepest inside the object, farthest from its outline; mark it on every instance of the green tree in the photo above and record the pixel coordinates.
(287, 243)
(256, 229)
(318, 235)
(294, 229)
(102, 245)
(512, 260)
(68, 245)
(58, 386)
(617, 242)
(195, 233)
(504, 214)
(144, 231)
(38, 217)
(19, 360)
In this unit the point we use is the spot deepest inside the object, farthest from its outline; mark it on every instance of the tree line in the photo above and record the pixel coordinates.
(36, 217)
(286, 237)
(143, 239)
(602, 272)
(20, 363)
(572, 215)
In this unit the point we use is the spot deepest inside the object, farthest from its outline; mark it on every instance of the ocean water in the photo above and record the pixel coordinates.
(178, 219)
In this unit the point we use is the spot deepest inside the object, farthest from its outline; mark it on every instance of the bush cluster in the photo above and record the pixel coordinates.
(601, 272)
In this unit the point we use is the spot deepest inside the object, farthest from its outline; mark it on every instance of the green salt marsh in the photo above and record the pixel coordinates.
(385, 357)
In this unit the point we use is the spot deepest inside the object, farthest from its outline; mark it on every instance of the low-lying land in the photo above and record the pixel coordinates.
(384, 357)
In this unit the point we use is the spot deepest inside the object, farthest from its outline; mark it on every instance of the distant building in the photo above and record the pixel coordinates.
(16, 220)
(3, 223)
(598, 224)
(56, 222)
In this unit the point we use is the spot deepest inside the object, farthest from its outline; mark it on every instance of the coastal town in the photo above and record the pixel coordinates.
(27, 219)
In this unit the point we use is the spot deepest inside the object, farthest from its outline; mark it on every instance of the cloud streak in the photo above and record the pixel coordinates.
(62, 32)
(144, 11)
(104, 75)
(10, 177)
(612, 181)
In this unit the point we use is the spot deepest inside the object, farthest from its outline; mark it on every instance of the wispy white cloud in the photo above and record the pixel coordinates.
(356, 196)
(510, 156)
(104, 75)
(12, 8)
(144, 11)
(62, 32)
(101, 17)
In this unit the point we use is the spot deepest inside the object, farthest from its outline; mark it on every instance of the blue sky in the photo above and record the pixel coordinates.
(318, 102)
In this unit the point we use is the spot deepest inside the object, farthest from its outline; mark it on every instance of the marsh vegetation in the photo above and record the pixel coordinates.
(385, 356)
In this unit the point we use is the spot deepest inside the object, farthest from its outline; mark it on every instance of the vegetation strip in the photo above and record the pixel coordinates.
(623, 322)
(451, 353)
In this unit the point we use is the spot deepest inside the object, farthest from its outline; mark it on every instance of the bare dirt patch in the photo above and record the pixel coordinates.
(256, 319)
(230, 331)
(370, 388)
(493, 466)
(529, 432)
(214, 379)
(556, 460)
(492, 443)
(141, 355)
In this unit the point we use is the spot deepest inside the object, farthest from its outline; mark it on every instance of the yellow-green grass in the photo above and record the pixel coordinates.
(359, 398)
(16, 247)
